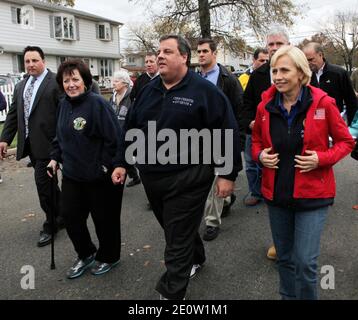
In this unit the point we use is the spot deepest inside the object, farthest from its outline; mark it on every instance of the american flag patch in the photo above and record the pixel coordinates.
(320, 114)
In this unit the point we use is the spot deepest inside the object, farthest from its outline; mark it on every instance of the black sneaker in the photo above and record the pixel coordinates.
(226, 209)
(133, 182)
(210, 233)
(194, 270)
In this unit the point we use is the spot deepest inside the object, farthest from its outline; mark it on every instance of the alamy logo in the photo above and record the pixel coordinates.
(28, 280)
(204, 146)
(328, 280)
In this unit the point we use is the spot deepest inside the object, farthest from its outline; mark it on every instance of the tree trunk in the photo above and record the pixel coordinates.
(204, 17)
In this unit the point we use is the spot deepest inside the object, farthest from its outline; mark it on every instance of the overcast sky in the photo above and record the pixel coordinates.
(129, 13)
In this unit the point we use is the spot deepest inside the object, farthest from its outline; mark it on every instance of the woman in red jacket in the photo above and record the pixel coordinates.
(291, 140)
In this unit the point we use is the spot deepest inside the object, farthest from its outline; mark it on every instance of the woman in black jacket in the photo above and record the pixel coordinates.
(87, 137)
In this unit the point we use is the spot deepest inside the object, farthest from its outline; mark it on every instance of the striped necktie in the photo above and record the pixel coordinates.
(27, 103)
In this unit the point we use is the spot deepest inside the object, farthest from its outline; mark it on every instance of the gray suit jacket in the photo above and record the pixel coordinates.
(42, 120)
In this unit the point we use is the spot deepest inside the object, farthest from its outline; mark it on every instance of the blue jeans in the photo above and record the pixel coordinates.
(296, 236)
(253, 170)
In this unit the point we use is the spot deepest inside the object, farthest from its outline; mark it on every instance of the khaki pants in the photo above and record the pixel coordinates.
(214, 207)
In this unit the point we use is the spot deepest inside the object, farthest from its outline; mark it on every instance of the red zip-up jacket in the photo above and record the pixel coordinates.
(322, 120)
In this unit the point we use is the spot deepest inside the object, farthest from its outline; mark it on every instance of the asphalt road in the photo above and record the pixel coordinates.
(236, 266)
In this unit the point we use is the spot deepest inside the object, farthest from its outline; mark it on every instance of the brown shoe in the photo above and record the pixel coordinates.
(251, 201)
(271, 253)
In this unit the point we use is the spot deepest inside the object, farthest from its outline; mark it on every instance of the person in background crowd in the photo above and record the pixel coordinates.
(3, 105)
(121, 103)
(180, 99)
(260, 80)
(87, 137)
(151, 71)
(32, 115)
(216, 207)
(332, 79)
(290, 140)
(260, 57)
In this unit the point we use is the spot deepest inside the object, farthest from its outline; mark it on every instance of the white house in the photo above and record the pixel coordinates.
(61, 32)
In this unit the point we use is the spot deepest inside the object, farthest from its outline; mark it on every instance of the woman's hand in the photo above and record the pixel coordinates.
(119, 175)
(54, 167)
(269, 160)
(307, 163)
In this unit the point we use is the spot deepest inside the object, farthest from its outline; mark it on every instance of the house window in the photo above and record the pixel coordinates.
(106, 67)
(24, 16)
(131, 60)
(104, 31)
(64, 27)
(20, 66)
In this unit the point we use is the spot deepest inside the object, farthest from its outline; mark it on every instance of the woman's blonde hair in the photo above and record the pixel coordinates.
(298, 58)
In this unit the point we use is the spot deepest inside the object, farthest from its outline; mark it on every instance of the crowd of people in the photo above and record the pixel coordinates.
(284, 114)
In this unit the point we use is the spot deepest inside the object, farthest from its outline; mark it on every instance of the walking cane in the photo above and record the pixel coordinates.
(53, 192)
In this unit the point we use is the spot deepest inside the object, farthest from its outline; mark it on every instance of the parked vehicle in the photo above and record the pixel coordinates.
(9, 79)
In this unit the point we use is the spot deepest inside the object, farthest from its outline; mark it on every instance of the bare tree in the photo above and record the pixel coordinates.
(219, 17)
(343, 34)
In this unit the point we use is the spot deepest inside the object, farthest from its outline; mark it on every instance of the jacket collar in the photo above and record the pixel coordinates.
(313, 94)
(158, 82)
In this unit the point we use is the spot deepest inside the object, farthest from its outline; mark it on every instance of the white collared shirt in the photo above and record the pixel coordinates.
(37, 84)
(319, 73)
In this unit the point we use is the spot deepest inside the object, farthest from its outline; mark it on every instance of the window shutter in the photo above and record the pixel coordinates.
(15, 66)
(97, 30)
(77, 29)
(52, 31)
(14, 15)
(111, 32)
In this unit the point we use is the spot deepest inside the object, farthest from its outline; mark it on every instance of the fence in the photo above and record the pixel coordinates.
(7, 91)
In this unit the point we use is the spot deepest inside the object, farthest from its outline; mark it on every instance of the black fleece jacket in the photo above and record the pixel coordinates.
(87, 137)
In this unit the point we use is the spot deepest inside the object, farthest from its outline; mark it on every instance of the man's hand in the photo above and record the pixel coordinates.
(224, 187)
(119, 175)
(307, 163)
(251, 125)
(269, 160)
(53, 166)
(3, 150)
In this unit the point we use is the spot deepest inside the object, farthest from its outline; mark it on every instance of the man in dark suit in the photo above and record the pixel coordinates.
(32, 115)
(332, 79)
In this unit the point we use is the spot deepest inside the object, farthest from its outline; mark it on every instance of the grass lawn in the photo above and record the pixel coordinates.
(14, 143)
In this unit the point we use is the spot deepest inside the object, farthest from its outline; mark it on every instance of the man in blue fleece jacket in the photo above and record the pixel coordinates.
(177, 179)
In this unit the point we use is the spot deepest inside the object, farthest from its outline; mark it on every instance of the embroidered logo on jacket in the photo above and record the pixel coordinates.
(79, 123)
(320, 114)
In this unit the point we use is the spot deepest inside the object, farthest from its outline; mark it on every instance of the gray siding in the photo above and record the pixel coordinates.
(14, 35)
(6, 64)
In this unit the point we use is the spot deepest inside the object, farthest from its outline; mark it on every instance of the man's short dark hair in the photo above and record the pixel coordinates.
(183, 45)
(34, 48)
(258, 51)
(211, 43)
(69, 66)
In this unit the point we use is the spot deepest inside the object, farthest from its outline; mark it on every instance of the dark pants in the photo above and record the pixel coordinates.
(132, 173)
(104, 201)
(43, 185)
(178, 201)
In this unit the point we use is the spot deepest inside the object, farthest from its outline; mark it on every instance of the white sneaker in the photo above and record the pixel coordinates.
(164, 298)
(194, 270)
(0, 179)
